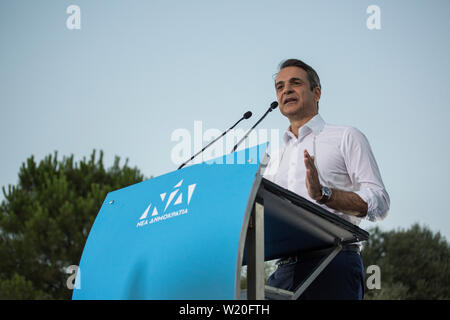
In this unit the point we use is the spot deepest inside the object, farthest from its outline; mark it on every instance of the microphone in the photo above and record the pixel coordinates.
(273, 106)
(246, 115)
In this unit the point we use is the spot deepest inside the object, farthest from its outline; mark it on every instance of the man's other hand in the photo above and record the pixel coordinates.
(312, 177)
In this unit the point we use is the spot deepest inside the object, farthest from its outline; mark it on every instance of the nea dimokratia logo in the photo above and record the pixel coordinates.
(166, 207)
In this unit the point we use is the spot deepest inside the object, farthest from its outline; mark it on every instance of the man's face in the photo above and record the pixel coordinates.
(295, 98)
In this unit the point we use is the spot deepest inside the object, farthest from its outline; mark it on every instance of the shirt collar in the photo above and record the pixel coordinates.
(314, 125)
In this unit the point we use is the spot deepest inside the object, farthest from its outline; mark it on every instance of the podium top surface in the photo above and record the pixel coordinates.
(293, 224)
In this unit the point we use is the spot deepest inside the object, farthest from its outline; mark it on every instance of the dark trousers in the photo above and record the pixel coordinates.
(342, 279)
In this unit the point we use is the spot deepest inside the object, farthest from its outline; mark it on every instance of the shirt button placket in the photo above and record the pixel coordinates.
(292, 166)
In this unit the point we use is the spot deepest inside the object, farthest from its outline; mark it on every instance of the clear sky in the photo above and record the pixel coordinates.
(137, 71)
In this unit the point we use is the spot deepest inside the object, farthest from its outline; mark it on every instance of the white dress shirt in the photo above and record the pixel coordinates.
(344, 161)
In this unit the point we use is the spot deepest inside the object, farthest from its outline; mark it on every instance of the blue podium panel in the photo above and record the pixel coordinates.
(175, 236)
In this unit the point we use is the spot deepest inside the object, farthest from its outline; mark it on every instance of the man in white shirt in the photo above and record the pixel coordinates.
(332, 166)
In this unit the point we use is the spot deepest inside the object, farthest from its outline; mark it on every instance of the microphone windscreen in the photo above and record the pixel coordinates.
(273, 105)
(247, 115)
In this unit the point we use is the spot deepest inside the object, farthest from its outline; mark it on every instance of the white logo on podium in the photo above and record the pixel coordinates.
(162, 205)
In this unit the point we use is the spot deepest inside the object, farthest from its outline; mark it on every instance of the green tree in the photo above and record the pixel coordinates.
(414, 263)
(45, 220)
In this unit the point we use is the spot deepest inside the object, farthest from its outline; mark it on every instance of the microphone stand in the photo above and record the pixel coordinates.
(273, 106)
(246, 115)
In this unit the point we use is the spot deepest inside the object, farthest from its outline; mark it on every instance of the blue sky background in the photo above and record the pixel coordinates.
(138, 70)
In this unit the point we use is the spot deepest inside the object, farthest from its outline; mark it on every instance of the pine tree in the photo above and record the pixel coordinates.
(45, 220)
(414, 263)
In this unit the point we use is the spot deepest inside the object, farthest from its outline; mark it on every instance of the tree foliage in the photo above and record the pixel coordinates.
(45, 220)
(414, 263)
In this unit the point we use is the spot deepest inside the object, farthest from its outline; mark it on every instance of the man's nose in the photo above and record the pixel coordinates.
(288, 90)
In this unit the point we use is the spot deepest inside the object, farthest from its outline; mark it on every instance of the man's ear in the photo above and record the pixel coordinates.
(317, 93)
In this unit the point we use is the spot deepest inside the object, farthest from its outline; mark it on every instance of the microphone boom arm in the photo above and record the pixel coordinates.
(247, 115)
(273, 105)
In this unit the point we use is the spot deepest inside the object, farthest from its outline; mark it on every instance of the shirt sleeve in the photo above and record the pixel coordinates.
(364, 174)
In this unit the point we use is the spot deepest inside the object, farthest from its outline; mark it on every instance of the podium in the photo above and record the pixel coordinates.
(187, 234)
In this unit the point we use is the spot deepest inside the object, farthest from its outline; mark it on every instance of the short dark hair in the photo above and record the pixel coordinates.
(313, 77)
